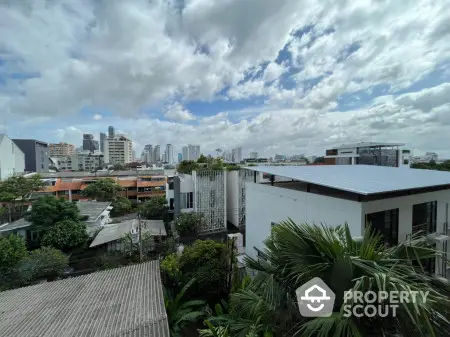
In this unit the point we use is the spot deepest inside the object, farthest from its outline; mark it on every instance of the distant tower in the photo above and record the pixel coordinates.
(102, 141)
(111, 132)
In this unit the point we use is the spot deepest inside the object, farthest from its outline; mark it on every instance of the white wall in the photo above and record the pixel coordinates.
(233, 197)
(12, 159)
(266, 204)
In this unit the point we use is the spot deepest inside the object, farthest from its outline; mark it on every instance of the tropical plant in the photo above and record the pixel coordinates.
(180, 314)
(105, 189)
(187, 166)
(121, 206)
(65, 235)
(188, 224)
(154, 208)
(295, 254)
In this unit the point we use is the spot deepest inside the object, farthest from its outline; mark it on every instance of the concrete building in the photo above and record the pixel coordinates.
(180, 157)
(236, 155)
(118, 150)
(89, 143)
(126, 302)
(12, 159)
(369, 153)
(102, 141)
(191, 152)
(61, 149)
(111, 132)
(81, 161)
(147, 154)
(397, 203)
(236, 196)
(36, 154)
(169, 154)
(203, 192)
(157, 154)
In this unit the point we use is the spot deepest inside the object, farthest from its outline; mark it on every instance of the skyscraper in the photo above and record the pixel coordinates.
(185, 155)
(236, 155)
(180, 157)
(89, 143)
(111, 132)
(157, 154)
(147, 154)
(102, 141)
(169, 154)
(191, 152)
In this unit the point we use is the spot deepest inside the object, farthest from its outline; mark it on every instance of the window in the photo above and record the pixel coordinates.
(424, 217)
(171, 203)
(42, 166)
(171, 185)
(385, 223)
(187, 200)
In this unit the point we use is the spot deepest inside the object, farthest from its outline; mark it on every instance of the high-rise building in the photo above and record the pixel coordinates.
(89, 143)
(236, 155)
(191, 152)
(147, 154)
(254, 155)
(180, 157)
(185, 153)
(157, 154)
(118, 150)
(111, 132)
(102, 141)
(61, 149)
(169, 154)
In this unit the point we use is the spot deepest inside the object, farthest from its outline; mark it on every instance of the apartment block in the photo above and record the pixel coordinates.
(369, 153)
(396, 203)
(36, 154)
(236, 195)
(89, 143)
(81, 161)
(191, 152)
(12, 159)
(118, 150)
(61, 149)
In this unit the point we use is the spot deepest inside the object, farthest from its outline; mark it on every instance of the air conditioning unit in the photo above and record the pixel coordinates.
(437, 238)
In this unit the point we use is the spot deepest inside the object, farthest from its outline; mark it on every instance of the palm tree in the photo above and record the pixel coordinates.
(180, 313)
(295, 254)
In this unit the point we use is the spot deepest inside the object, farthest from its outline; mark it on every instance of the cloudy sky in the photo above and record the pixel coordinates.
(274, 76)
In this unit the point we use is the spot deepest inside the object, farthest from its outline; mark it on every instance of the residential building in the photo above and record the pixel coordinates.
(369, 153)
(12, 159)
(118, 150)
(169, 154)
(95, 214)
(191, 152)
(61, 149)
(147, 154)
(111, 132)
(89, 143)
(236, 155)
(126, 302)
(253, 155)
(236, 195)
(137, 185)
(157, 154)
(279, 158)
(36, 154)
(180, 157)
(396, 203)
(102, 141)
(81, 161)
(203, 192)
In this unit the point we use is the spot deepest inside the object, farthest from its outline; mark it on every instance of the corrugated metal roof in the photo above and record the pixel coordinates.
(361, 179)
(21, 223)
(125, 302)
(93, 209)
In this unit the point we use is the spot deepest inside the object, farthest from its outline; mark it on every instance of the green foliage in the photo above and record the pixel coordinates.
(202, 159)
(110, 260)
(179, 313)
(297, 253)
(319, 160)
(47, 262)
(171, 266)
(47, 211)
(187, 166)
(121, 206)
(65, 235)
(207, 262)
(119, 167)
(445, 166)
(13, 250)
(105, 189)
(22, 187)
(154, 208)
(188, 224)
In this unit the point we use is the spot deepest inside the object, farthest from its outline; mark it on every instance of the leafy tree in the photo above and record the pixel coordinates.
(47, 211)
(319, 160)
(297, 253)
(65, 235)
(119, 167)
(180, 313)
(13, 250)
(432, 165)
(47, 262)
(106, 189)
(171, 266)
(121, 206)
(202, 159)
(188, 224)
(187, 166)
(154, 208)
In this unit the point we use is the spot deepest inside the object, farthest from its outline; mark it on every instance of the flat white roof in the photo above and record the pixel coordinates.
(360, 179)
(367, 144)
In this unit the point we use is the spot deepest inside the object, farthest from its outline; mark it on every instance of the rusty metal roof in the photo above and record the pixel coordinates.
(125, 302)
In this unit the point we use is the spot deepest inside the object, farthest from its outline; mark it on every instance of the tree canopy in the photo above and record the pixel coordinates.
(154, 208)
(105, 189)
(46, 262)
(319, 160)
(65, 235)
(121, 206)
(21, 187)
(188, 224)
(432, 165)
(13, 249)
(187, 166)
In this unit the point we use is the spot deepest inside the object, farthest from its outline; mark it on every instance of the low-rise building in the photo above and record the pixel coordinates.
(36, 154)
(126, 302)
(397, 203)
(61, 149)
(12, 158)
(80, 161)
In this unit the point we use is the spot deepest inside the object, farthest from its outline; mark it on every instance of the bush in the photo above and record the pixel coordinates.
(154, 208)
(188, 224)
(121, 206)
(171, 266)
(46, 263)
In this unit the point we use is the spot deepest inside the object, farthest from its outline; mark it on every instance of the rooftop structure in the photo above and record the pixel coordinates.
(360, 179)
(369, 144)
(126, 302)
(102, 173)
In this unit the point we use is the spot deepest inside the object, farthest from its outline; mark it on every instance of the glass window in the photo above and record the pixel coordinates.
(385, 223)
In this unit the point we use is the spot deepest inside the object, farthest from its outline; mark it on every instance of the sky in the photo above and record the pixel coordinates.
(273, 76)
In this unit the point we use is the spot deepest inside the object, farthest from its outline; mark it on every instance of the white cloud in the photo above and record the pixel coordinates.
(97, 117)
(177, 112)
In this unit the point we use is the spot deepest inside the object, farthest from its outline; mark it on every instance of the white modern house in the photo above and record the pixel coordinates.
(12, 158)
(395, 202)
